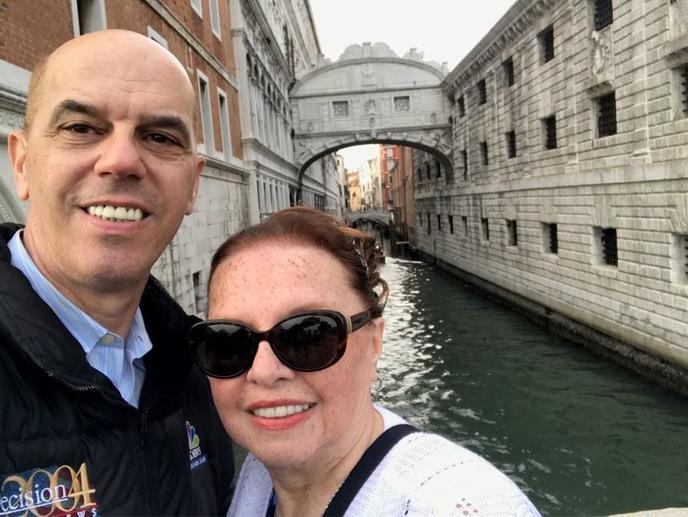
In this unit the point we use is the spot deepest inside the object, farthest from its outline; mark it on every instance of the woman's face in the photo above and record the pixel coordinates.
(258, 287)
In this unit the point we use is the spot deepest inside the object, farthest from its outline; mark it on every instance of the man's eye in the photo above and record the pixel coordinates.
(81, 129)
(161, 138)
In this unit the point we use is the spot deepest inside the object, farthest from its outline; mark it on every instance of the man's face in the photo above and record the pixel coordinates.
(108, 162)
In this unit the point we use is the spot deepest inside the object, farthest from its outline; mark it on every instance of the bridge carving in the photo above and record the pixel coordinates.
(370, 95)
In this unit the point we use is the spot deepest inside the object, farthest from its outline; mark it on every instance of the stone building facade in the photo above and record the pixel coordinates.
(570, 187)
(197, 32)
(274, 42)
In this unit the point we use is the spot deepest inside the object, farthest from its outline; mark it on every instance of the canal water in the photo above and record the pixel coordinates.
(578, 433)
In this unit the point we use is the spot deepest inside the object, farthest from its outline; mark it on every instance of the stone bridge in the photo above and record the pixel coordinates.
(370, 95)
(379, 217)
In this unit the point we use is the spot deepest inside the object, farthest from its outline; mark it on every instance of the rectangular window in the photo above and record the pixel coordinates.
(197, 7)
(604, 14)
(485, 227)
(224, 124)
(508, 68)
(550, 238)
(451, 224)
(157, 37)
(549, 132)
(438, 169)
(511, 232)
(606, 246)
(439, 222)
(402, 103)
(206, 114)
(482, 91)
(679, 258)
(88, 16)
(215, 18)
(483, 153)
(464, 225)
(606, 115)
(429, 228)
(464, 158)
(683, 87)
(340, 109)
(511, 144)
(546, 42)
(462, 106)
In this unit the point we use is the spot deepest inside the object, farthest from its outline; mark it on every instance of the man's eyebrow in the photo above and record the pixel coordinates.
(72, 106)
(169, 122)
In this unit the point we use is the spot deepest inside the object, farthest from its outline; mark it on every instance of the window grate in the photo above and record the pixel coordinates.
(439, 222)
(484, 153)
(684, 87)
(511, 144)
(550, 127)
(486, 228)
(512, 232)
(462, 106)
(451, 224)
(609, 247)
(464, 157)
(508, 67)
(482, 91)
(606, 120)
(604, 14)
(546, 38)
(553, 238)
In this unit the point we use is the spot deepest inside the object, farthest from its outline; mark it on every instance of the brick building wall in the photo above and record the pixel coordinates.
(30, 30)
(556, 197)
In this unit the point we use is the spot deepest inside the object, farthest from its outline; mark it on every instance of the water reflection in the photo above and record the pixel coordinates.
(581, 435)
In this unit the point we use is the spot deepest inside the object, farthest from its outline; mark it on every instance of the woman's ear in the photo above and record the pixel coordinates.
(378, 330)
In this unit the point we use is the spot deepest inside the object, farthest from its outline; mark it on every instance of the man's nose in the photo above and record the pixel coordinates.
(120, 155)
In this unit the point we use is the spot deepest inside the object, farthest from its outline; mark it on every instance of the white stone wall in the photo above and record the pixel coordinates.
(635, 181)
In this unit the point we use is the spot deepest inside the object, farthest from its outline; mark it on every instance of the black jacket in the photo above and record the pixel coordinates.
(64, 422)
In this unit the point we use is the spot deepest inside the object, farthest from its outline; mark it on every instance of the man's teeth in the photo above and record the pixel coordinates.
(116, 213)
(280, 411)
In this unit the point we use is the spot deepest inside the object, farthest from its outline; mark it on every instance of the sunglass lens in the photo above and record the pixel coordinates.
(224, 349)
(308, 342)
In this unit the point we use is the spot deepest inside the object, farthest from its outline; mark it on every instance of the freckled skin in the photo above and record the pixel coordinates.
(259, 286)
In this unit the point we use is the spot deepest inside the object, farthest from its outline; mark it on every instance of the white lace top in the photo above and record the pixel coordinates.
(423, 475)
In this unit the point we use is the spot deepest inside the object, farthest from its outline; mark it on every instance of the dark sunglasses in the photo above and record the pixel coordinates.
(306, 342)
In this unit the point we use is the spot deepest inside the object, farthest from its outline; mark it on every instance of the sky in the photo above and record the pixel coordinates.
(444, 30)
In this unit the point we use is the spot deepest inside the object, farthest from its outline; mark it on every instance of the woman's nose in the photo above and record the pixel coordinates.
(266, 367)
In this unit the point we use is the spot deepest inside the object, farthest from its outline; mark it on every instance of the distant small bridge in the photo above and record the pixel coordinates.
(379, 217)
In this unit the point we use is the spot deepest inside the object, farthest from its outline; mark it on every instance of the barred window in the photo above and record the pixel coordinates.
(508, 67)
(511, 144)
(462, 106)
(427, 170)
(482, 91)
(484, 153)
(438, 169)
(546, 40)
(606, 115)
(451, 224)
(418, 174)
(464, 225)
(429, 228)
(683, 74)
(485, 226)
(549, 128)
(679, 258)
(604, 14)
(512, 232)
(464, 158)
(402, 103)
(607, 246)
(550, 238)
(439, 222)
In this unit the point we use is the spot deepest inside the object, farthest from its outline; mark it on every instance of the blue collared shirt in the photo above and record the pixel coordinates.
(118, 359)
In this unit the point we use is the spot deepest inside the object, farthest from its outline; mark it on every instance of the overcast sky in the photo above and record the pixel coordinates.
(444, 30)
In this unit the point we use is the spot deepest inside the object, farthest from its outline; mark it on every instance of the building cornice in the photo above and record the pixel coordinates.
(511, 27)
(270, 38)
(192, 40)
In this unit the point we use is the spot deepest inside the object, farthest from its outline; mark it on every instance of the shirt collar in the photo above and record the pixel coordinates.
(87, 331)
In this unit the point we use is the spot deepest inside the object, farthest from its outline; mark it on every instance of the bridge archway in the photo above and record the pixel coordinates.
(371, 95)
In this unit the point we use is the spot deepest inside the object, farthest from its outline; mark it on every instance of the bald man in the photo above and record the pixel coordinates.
(101, 409)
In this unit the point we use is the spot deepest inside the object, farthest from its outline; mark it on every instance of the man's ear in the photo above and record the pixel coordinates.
(16, 148)
(198, 170)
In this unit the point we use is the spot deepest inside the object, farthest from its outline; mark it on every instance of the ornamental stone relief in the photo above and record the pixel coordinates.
(601, 52)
